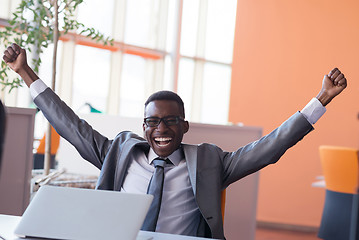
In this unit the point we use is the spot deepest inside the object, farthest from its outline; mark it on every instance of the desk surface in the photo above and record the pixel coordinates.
(8, 224)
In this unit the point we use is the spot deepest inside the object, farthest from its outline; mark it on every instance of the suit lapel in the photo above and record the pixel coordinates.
(190, 153)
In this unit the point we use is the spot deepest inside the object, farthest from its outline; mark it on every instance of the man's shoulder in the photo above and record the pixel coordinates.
(125, 136)
(201, 146)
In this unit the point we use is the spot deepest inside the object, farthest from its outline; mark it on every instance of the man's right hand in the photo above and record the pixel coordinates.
(15, 57)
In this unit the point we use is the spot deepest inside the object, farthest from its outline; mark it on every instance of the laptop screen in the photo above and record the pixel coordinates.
(77, 213)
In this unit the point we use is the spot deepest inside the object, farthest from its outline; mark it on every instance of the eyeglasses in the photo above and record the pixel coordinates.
(169, 121)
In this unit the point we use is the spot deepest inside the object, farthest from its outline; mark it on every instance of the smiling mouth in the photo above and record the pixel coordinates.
(163, 141)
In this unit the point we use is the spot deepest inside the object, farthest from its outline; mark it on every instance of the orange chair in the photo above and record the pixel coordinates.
(39, 155)
(354, 227)
(340, 169)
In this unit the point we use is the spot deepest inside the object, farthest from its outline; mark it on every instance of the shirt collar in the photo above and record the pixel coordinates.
(175, 157)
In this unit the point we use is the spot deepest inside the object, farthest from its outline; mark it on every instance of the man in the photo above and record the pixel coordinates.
(196, 175)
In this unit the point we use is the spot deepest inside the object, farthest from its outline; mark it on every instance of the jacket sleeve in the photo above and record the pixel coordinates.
(266, 150)
(91, 145)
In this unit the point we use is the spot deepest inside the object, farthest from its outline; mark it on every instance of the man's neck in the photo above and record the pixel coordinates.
(175, 157)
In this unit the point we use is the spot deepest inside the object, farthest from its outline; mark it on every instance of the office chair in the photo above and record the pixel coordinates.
(354, 227)
(40, 151)
(340, 169)
(2, 129)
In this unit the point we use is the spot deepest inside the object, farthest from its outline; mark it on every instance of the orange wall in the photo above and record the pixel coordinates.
(282, 50)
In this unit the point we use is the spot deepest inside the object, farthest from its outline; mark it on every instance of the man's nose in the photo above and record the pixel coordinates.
(162, 126)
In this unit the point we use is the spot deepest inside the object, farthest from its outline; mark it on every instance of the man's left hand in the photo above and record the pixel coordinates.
(333, 84)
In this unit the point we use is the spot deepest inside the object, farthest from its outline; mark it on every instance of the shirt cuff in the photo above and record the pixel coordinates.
(37, 87)
(313, 111)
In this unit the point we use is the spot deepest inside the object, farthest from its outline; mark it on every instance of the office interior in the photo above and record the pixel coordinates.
(266, 64)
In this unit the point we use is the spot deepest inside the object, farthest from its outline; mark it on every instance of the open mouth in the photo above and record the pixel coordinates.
(163, 141)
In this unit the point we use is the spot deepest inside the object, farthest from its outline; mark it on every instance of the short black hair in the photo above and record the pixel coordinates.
(166, 95)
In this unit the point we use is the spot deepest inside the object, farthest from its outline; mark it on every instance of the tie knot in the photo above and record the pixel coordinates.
(160, 162)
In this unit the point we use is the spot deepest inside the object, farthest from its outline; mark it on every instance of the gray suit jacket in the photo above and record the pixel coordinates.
(210, 168)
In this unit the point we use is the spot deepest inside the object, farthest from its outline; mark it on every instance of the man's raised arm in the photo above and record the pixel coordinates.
(91, 145)
(15, 57)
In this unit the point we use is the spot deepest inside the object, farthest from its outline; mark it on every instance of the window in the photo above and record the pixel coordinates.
(207, 44)
(90, 77)
(133, 81)
(180, 45)
(7, 7)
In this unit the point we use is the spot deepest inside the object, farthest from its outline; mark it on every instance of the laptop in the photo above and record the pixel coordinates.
(78, 213)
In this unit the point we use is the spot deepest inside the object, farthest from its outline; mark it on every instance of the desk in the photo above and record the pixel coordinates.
(8, 224)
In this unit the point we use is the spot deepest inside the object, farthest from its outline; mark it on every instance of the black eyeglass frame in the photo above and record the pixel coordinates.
(164, 120)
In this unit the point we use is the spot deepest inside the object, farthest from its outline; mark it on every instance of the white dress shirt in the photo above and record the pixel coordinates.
(179, 213)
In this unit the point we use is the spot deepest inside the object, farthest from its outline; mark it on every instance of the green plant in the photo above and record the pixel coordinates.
(35, 25)
(38, 23)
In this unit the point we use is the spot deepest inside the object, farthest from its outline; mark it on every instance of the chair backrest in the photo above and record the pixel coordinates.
(354, 227)
(340, 168)
(55, 143)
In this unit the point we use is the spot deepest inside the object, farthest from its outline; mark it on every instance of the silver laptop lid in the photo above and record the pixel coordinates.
(76, 213)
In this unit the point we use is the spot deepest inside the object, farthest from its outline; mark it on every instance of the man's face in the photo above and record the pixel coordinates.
(163, 139)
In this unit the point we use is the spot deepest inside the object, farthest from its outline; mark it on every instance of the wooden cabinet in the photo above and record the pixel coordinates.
(17, 160)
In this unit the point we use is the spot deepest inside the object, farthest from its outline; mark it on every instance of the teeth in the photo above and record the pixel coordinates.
(163, 145)
(162, 139)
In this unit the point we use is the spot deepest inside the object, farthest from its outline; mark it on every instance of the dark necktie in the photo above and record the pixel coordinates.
(155, 188)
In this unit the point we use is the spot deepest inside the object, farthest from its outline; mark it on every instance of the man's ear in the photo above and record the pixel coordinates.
(185, 126)
(143, 127)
